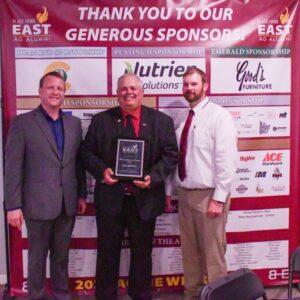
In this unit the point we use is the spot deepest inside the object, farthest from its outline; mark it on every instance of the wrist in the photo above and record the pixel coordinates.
(218, 202)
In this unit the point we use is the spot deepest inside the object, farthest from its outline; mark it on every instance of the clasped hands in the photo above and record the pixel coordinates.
(108, 178)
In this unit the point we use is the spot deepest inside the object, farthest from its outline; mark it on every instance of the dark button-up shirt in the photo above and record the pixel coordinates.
(57, 129)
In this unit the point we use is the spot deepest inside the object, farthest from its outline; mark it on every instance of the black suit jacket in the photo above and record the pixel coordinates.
(98, 152)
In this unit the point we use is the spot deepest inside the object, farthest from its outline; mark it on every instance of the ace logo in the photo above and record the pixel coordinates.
(273, 158)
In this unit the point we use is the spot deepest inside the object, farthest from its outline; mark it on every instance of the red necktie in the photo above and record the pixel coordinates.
(183, 146)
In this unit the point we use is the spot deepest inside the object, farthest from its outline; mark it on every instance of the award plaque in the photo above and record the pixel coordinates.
(130, 159)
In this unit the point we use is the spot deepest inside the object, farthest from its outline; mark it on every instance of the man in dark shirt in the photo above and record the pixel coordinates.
(45, 185)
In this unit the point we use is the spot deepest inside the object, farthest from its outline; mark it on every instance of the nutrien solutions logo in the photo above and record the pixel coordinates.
(159, 74)
(62, 68)
(273, 30)
(34, 29)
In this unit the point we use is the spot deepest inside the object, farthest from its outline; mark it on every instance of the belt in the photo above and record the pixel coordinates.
(196, 189)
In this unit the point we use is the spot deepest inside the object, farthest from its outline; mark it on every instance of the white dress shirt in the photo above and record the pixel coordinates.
(211, 150)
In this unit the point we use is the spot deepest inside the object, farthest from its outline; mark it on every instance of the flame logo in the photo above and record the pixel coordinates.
(42, 17)
(284, 17)
(62, 68)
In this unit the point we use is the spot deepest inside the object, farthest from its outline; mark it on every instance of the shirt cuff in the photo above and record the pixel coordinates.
(11, 209)
(168, 186)
(220, 196)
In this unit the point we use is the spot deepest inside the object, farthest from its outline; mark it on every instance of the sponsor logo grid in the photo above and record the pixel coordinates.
(262, 173)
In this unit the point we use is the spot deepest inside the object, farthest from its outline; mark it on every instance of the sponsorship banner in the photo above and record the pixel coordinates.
(250, 52)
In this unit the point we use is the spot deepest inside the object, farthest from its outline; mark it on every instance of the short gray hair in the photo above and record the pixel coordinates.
(132, 75)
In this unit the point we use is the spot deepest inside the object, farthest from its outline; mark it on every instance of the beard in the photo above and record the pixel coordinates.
(194, 97)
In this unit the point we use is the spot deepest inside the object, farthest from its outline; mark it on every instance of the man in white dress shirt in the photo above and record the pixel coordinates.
(205, 173)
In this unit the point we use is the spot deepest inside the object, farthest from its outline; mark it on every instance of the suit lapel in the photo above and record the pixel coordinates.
(43, 125)
(67, 124)
(117, 116)
(145, 125)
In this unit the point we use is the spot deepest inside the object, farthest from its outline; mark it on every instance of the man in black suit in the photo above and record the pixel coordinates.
(45, 186)
(128, 204)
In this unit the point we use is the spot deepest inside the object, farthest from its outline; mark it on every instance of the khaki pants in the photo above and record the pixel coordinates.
(203, 239)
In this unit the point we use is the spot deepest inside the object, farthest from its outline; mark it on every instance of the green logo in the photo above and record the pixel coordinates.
(128, 67)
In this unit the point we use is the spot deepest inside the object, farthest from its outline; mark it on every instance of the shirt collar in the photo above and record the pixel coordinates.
(135, 114)
(61, 113)
(201, 105)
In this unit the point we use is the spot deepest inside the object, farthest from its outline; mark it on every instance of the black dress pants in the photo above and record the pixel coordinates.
(110, 235)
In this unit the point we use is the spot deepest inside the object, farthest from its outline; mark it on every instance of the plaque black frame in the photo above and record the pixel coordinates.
(136, 160)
